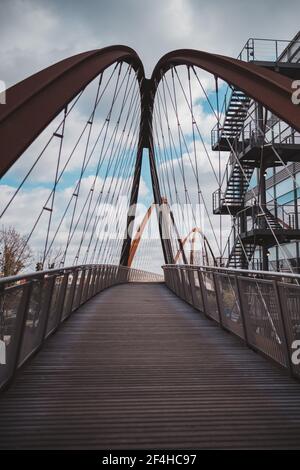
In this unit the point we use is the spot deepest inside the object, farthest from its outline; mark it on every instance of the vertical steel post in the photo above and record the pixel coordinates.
(283, 326)
(218, 299)
(62, 297)
(203, 293)
(46, 308)
(71, 294)
(21, 318)
(80, 289)
(242, 312)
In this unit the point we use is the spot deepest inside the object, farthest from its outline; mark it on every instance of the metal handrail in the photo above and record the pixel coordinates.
(248, 53)
(40, 274)
(280, 47)
(260, 307)
(33, 305)
(281, 215)
(236, 270)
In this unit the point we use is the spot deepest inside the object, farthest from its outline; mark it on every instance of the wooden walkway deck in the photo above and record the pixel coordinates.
(138, 368)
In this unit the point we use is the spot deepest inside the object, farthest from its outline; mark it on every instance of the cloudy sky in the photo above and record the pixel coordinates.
(37, 33)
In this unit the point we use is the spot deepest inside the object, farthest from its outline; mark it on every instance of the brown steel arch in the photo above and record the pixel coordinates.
(271, 89)
(34, 102)
(206, 244)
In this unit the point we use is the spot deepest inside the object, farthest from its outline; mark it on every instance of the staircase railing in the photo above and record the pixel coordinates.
(262, 308)
(218, 130)
(275, 215)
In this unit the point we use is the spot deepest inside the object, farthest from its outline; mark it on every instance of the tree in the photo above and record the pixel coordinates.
(51, 261)
(15, 254)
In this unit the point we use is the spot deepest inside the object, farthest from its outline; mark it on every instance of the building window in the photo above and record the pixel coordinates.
(284, 187)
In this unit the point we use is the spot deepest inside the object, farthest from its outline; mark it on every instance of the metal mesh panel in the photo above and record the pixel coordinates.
(211, 298)
(177, 281)
(290, 301)
(99, 280)
(35, 320)
(181, 291)
(229, 304)
(9, 305)
(187, 287)
(68, 296)
(87, 274)
(262, 317)
(198, 300)
(54, 313)
(96, 281)
(31, 307)
(77, 294)
(264, 310)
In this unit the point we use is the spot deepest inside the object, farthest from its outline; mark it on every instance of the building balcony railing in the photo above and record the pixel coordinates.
(273, 50)
(218, 197)
(271, 53)
(276, 133)
(269, 217)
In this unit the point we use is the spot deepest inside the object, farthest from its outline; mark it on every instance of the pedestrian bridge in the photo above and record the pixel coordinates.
(97, 354)
(138, 367)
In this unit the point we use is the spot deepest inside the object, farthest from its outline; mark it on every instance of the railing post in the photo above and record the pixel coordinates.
(80, 288)
(175, 279)
(100, 279)
(96, 281)
(105, 275)
(283, 327)
(172, 278)
(166, 274)
(203, 293)
(121, 274)
(47, 306)
(218, 299)
(21, 318)
(72, 293)
(89, 291)
(86, 286)
(114, 275)
(192, 284)
(62, 296)
(242, 313)
(180, 287)
(57, 315)
(183, 277)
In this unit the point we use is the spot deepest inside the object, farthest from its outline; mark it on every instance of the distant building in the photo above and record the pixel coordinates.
(260, 189)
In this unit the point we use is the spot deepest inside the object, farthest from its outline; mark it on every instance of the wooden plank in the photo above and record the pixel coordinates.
(138, 368)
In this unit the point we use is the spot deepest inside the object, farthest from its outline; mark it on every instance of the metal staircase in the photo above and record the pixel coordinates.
(272, 222)
(235, 115)
(240, 253)
(232, 199)
(265, 219)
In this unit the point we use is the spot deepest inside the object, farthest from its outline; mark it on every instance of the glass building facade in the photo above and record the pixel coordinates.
(265, 212)
(283, 199)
